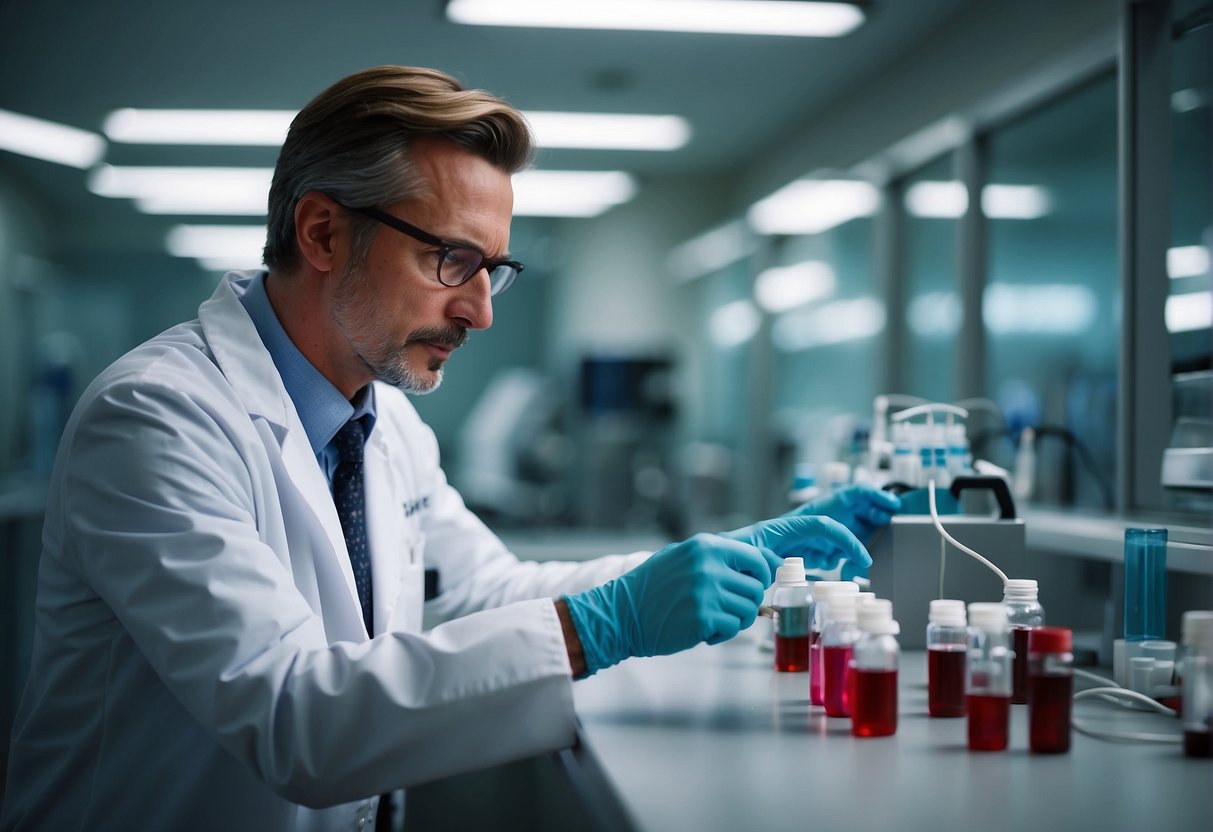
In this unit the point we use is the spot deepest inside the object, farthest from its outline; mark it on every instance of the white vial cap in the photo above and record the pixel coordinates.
(948, 612)
(1020, 589)
(1197, 631)
(875, 613)
(791, 571)
(823, 589)
(864, 597)
(841, 607)
(990, 617)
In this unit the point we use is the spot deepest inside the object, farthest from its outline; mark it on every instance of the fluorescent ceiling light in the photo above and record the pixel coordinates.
(711, 251)
(935, 314)
(950, 200)
(1014, 202)
(743, 17)
(810, 206)
(834, 323)
(570, 193)
(608, 131)
(1051, 309)
(787, 287)
(49, 141)
(237, 245)
(209, 127)
(937, 200)
(1189, 312)
(186, 190)
(1187, 261)
(733, 324)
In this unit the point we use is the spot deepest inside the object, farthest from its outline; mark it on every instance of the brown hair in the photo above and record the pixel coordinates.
(352, 143)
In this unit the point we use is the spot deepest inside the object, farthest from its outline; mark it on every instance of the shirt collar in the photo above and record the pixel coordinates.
(321, 407)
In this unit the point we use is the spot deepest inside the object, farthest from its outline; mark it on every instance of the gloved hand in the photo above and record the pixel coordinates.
(707, 588)
(861, 508)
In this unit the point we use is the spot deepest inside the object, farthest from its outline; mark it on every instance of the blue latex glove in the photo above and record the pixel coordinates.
(860, 508)
(707, 588)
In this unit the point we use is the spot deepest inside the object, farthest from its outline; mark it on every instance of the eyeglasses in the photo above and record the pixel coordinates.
(456, 263)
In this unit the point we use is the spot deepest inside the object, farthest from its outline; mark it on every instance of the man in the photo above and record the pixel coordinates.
(244, 508)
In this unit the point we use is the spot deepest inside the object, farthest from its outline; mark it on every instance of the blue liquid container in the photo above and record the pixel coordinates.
(1145, 584)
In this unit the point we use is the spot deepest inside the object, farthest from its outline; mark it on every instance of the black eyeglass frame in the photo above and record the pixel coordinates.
(444, 248)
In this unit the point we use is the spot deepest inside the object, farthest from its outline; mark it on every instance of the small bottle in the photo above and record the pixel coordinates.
(947, 643)
(792, 602)
(822, 590)
(1024, 613)
(1195, 672)
(1050, 689)
(837, 641)
(988, 678)
(874, 662)
(960, 460)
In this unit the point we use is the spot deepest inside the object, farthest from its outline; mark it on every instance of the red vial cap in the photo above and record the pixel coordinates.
(1050, 640)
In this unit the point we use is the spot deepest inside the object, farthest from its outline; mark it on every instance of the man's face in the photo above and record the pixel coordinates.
(398, 319)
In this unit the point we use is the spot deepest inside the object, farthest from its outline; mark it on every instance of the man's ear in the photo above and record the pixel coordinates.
(317, 227)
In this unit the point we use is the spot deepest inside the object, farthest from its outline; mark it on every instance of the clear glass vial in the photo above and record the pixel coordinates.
(1024, 613)
(793, 603)
(822, 590)
(837, 642)
(1050, 689)
(1195, 672)
(988, 677)
(874, 667)
(947, 644)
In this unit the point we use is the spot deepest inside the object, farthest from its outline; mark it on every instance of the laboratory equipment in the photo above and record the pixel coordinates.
(822, 591)
(1024, 613)
(837, 642)
(1187, 463)
(874, 662)
(947, 643)
(792, 602)
(1145, 584)
(1050, 688)
(988, 677)
(912, 565)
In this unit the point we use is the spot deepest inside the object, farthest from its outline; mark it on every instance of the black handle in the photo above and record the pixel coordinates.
(998, 485)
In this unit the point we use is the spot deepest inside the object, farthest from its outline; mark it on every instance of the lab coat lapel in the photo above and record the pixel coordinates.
(247, 365)
(384, 528)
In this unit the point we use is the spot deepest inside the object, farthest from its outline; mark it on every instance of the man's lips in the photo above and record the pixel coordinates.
(441, 350)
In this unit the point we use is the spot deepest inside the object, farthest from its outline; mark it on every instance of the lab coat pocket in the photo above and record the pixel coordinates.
(410, 600)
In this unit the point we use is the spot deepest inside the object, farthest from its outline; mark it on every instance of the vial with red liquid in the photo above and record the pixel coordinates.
(947, 648)
(874, 659)
(988, 678)
(1196, 683)
(1024, 613)
(837, 641)
(1050, 689)
(822, 590)
(792, 602)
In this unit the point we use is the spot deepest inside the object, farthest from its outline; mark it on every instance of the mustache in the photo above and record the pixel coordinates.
(453, 337)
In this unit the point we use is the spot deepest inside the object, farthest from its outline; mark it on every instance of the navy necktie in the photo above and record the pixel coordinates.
(350, 498)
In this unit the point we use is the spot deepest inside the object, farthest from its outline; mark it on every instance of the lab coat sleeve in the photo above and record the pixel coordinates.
(476, 571)
(160, 499)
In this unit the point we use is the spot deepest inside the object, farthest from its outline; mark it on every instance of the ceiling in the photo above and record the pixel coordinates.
(75, 63)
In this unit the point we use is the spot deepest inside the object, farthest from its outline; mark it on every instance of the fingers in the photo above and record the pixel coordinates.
(752, 560)
(831, 538)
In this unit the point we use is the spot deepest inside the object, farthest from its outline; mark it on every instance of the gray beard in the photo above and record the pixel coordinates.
(354, 314)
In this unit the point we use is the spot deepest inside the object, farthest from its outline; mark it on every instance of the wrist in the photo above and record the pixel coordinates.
(572, 641)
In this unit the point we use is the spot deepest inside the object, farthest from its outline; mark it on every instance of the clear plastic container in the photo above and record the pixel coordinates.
(822, 590)
(837, 642)
(1145, 584)
(988, 677)
(874, 667)
(1050, 689)
(792, 601)
(947, 643)
(1024, 613)
(1195, 675)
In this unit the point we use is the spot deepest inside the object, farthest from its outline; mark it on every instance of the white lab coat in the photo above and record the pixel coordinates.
(200, 660)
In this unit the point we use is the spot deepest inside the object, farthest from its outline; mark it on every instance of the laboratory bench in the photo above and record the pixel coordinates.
(714, 739)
